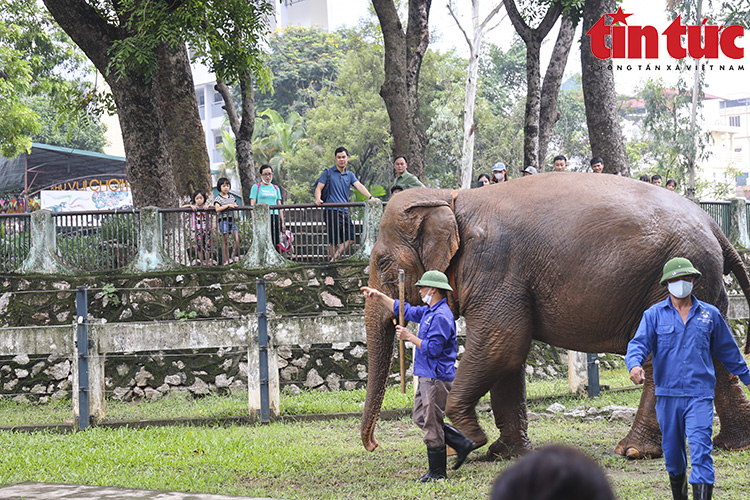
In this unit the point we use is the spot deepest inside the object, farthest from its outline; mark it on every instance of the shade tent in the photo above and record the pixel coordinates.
(50, 166)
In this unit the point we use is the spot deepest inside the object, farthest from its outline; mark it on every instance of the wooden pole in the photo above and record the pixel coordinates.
(401, 360)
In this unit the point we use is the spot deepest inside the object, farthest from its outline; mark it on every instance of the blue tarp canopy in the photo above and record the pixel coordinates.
(48, 166)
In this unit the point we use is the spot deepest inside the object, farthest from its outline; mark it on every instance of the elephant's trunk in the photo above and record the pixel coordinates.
(380, 335)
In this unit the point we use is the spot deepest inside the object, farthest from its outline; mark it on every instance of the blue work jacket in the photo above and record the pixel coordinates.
(437, 329)
(681, 352)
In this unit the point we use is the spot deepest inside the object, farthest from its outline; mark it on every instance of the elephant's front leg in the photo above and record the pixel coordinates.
(733, 409)
(508, 398)
(644, 438)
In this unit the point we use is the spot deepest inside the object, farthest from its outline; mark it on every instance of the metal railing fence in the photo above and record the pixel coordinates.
(311, 226)
(197, 238)
(97, 240)
(15, 240)
(719, 211)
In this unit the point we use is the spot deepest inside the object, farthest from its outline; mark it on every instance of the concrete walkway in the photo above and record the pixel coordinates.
(47, 491)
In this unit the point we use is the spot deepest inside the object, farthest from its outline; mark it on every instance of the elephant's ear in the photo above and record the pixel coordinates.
(437, 236)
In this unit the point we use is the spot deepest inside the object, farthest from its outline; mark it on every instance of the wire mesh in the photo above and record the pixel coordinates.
(324, 233)
(97, 241)
(15, 240)
(203, 237)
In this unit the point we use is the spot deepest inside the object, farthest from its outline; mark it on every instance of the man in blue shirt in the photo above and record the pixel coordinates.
(338, 223)
(435, 365)
(682, 333)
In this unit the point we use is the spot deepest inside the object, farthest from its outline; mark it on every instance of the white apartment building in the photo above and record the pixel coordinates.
(728, 120)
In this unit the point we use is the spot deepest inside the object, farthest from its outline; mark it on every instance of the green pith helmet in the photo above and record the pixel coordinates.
(677, 267)
(435, 279)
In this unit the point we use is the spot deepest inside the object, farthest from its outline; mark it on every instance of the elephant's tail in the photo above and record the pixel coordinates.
(733, 263)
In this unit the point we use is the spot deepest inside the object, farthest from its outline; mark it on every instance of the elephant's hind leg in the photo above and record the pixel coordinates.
(644, 438)
(508, 397)
(733, 409)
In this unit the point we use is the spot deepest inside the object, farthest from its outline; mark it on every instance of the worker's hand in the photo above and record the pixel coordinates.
(318, 201)
(403, 334)
(371, 293)
(637, 375)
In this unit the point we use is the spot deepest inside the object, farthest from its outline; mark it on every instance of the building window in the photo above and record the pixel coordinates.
(218, 140)
(217, 98)
(734, 121)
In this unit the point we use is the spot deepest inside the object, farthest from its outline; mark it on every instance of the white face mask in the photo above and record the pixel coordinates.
(499, 175)
(427, 298)
(264, 182)
(680, 289)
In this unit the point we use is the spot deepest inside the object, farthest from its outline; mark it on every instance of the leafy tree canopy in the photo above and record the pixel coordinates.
(46, 80)
(225, 36)
(304, 61)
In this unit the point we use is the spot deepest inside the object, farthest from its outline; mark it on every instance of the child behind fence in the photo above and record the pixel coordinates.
(199, 222)
(224, 203)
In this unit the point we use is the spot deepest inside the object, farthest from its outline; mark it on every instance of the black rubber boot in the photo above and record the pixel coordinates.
(679, 486)
(702, 491)
(436, 459)
(458, 442)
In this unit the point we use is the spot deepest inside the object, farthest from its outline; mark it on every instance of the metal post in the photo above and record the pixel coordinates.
(592, 364)
(265, 407)
(82, 341)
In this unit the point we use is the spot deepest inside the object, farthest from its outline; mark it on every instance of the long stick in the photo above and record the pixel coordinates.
(401, 360)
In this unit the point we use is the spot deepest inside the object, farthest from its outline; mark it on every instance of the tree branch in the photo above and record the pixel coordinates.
(491, 15)
(234, 120)
(453, 15)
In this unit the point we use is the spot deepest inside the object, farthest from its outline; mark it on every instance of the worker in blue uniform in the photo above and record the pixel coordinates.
(435, 365)
(681, 333)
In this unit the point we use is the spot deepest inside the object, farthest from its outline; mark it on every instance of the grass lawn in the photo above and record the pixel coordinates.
(323, 459)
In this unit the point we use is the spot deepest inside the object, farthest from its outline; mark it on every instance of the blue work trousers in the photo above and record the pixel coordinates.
(681, 417)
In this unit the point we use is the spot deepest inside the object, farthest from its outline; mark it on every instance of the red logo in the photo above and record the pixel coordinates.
(637, 42)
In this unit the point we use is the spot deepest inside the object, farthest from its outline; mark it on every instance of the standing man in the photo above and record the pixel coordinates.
(339, 181)
(559, 163)
(682, 333)
(435, 365)
(404, 179)
(597, 165)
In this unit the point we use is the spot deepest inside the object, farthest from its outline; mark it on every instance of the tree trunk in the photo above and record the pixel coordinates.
(138, 100)
(402, 63)
(242, 127)
(533, 39)
(466, 169)
(599, 95)
(182, 124)
(549, 114)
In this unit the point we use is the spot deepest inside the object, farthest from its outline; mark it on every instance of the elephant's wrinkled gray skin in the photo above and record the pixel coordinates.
(570, 259)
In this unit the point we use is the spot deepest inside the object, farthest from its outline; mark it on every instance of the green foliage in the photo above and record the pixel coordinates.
(503, 75)
(17, 121)
(225, 36)
(304, 62)
(87, 134)
(668, 134)
(48, 83)
(110, 291)
(185, 315)
(736, 12)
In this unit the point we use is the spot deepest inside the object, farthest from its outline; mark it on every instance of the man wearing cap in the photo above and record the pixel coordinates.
(529, 171)
(435, 365)
(682, 333)
(499, 173)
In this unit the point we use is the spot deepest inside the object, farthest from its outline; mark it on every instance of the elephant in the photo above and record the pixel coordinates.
(570, 259)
